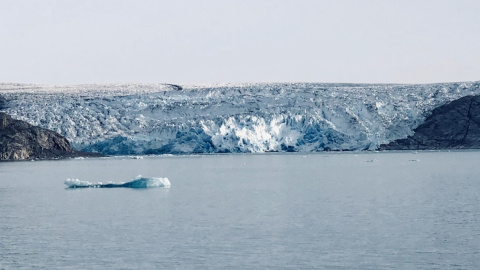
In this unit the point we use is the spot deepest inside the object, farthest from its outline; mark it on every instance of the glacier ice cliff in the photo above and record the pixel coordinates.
(162, 118)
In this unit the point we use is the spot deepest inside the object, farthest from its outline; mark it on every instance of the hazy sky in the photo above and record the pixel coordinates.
(211, 41)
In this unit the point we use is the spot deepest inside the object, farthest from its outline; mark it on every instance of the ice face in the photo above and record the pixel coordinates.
(161, 118)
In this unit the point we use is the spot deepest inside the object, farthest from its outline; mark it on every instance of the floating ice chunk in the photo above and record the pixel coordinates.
(74, 183)
(137, 182)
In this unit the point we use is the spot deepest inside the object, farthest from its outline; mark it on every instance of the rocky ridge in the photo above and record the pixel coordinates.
(22, 141)
(455, 125)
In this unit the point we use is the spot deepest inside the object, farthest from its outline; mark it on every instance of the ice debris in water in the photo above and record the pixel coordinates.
(137, 182)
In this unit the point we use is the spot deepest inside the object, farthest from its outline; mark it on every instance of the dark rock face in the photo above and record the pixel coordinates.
(21, 141)
(452, 126)
(3, 102)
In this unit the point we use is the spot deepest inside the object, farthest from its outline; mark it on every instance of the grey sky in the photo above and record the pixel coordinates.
(209, 41)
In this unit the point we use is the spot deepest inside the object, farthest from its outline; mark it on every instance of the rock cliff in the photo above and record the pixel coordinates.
(22, 141)
(455, 125)
(3, 101)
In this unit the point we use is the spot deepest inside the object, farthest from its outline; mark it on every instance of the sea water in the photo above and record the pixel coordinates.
(402, 210)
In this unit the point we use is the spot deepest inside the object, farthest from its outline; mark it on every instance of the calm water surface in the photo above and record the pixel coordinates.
(271, 211)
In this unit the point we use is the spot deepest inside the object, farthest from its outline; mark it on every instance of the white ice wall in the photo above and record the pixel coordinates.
(139, 118)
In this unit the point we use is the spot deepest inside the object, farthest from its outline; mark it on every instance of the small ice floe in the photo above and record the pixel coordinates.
(137, 182)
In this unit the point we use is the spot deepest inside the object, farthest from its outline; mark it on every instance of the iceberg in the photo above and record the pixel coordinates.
(139, 119)
(138, 182)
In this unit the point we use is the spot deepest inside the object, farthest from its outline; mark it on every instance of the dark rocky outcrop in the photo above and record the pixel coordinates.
(22, 141)
(3, 102)
(455, 125)
(175, 87)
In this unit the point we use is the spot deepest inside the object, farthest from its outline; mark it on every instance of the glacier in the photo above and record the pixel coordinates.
(137, 119)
